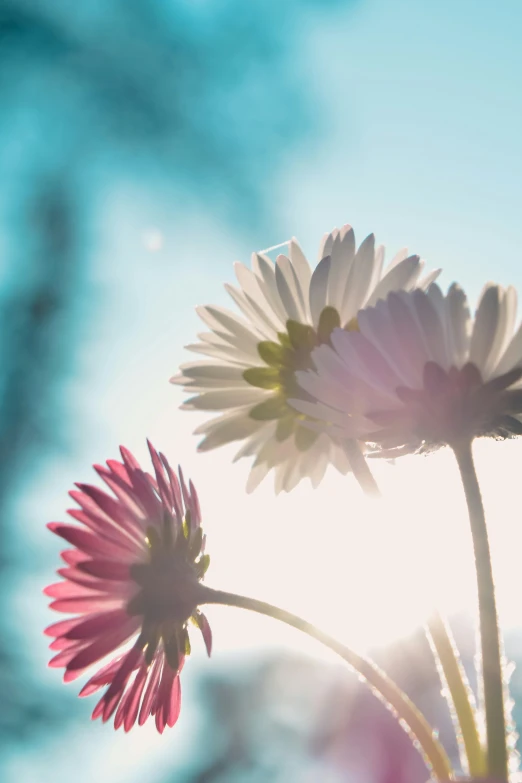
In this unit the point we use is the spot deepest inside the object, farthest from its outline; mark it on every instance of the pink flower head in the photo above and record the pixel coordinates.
(132, 576)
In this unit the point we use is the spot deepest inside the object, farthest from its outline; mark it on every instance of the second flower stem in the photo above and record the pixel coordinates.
(462, 702)
(489, 628)
(382, 686)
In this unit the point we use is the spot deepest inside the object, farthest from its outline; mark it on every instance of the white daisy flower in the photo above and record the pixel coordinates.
(420, 372)
(288, 311)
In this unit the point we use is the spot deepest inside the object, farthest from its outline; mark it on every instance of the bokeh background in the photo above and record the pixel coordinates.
(144, 146)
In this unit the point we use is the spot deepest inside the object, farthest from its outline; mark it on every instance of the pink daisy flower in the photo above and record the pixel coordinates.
(133, 582)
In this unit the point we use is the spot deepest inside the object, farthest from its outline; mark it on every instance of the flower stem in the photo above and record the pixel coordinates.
(382, 686)
(489, 629)
(461, 698)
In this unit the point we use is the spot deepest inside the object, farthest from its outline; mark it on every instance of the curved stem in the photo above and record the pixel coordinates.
(416, 724)
(462, 703)
(489, 629)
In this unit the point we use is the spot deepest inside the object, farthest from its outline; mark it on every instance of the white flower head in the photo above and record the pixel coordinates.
(287, 312)
(420, 372)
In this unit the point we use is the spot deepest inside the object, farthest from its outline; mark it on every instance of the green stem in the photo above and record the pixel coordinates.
(489, 629)
(416, 724)
(462, 703)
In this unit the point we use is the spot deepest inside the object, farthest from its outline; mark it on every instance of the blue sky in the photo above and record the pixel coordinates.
(419, 128)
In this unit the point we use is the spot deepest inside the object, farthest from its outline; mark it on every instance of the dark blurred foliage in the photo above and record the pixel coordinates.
(205, 97)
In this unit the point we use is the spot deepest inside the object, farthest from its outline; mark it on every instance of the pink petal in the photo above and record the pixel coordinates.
(73, 556)
(141, 484)
(64, 657)
(130, 461)
(62, 626)
(68, 589)
(184, 490)
(164, 488)
(102, 526)
(74, 575)
(176, 492)
(114, 510)
(102, 677)
(106, 569)
(118, 470)
(102, 646)
(128, 710)
(123, 491)
(98, 624)
(88, 542)
(110, 586)
(61, 643)
(175, 703)
(86, 604)
(150, 691)
(168, 702)
(117, 687)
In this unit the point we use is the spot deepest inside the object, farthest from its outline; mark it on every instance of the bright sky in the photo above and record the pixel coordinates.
(421, 110)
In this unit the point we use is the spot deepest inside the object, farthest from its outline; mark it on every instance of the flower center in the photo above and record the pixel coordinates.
(456, 404)
(281, 360)
(169, 587)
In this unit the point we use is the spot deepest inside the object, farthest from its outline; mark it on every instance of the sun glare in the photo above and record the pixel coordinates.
(369, 572)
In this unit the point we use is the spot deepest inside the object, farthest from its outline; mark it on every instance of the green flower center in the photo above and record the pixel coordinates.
(281, 360)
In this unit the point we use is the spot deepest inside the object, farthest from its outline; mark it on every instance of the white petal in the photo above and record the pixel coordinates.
(238, 331)
(318, 289)
(326, 244)
(358, 282)
(436, 297)
(253, 312)
(428, 279)
(377, 268)
(318, 469)
(431, 326)
(224, 399)
(506, 322)
(226, 353)
(254, 442)
(513, 354)
(377, 325)
(226, 429)
(340, 460)
(398, 258)
(407, 327)
(209, 370)
(403, 275)
(342, 255)
(255, 289)
(316, 410)
(289, 289)
(459, 322)
(326, 389)
(256, 476)
(293, 475)
(301, 266)
(375, 370)
(265, 272)
(484, 329)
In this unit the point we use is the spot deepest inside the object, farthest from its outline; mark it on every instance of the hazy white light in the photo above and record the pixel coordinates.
(153, 240)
